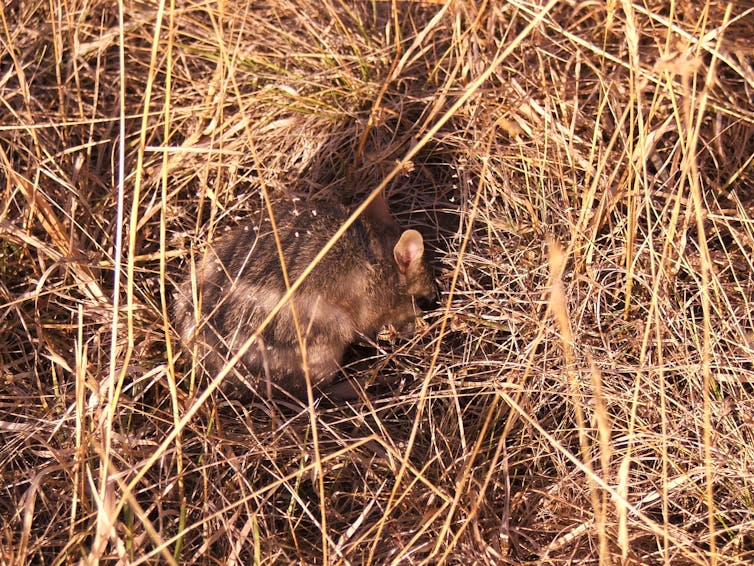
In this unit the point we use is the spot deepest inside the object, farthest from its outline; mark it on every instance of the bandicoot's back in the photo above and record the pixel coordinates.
(369, 278)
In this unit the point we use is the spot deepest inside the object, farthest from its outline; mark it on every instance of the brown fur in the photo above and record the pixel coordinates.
(369, 279)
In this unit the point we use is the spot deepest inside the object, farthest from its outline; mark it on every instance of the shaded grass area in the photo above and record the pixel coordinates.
(583, 173)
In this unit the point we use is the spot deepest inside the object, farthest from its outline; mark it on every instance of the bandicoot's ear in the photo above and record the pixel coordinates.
(379, 213)
(409, 250)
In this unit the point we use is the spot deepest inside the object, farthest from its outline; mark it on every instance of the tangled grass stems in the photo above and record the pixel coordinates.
(611, 424)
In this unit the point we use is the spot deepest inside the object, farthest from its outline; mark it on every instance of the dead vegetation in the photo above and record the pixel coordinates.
(584, 393)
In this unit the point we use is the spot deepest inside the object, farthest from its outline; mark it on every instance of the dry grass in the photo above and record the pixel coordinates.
(584, 170)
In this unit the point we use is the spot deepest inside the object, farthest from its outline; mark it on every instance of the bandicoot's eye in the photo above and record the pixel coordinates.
(426, 303)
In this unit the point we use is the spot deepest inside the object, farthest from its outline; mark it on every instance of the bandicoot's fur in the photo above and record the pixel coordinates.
(370, 278)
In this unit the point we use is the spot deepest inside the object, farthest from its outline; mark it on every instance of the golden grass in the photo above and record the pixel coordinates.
(584, 393)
